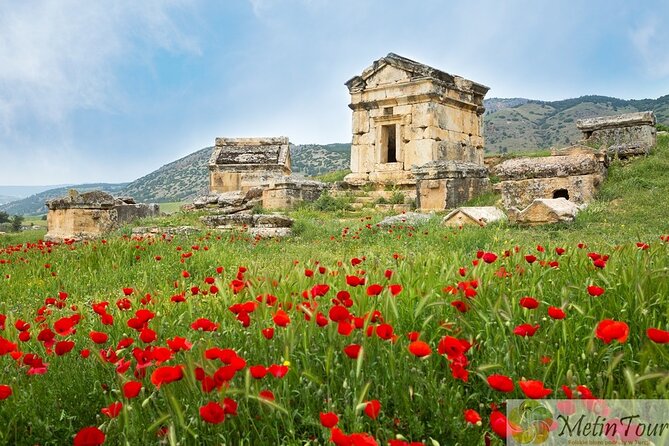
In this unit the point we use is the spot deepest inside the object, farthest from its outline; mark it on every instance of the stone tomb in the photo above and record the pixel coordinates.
(622, 136)
(239, 164)
(575, 174)
(406, 114)
(91, 214)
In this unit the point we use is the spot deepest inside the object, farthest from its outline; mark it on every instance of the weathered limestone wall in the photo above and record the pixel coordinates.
(92, 214)
(623, 135)
(285, 194)
(448, 184)
(239, 164)
(577, 175)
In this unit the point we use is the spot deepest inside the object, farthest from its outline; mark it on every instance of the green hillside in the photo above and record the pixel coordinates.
(35, 204)
(517, 126)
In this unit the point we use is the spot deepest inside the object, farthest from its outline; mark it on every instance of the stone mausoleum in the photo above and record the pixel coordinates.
(405, 115)
(239, 164)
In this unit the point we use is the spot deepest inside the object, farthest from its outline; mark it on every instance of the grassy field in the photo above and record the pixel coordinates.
(223, 339)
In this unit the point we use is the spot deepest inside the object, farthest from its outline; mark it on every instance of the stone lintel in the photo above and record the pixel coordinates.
(626, 120)
(261, 141)
(449, 169)
(549, 166)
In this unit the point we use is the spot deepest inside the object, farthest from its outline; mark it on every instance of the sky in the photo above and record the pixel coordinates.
(108, 91)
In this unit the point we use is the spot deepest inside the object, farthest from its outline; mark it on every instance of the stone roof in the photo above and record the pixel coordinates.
(418, 71)
(626, 120)
(548, 166)
(479, 214)
(88, 200)
(234, 151)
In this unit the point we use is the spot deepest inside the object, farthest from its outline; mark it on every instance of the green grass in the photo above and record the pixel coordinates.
(172, 207)
(420, 399)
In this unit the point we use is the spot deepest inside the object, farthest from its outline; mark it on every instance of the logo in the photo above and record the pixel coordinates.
(531, 422)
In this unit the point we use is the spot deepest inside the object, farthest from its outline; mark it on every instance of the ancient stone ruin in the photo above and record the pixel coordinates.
(479, 216)
(260, 225)
(575, 174)
(406, 115)
(622, 136)
(544, 211)
(447, 184)
(239, 164)
(91, 214)
(247, 173)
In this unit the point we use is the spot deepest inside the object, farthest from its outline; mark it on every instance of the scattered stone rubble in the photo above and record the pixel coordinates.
(91, 214)
(622, 136)
(406, 219)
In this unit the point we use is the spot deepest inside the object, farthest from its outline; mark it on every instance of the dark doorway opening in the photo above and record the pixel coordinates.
(561, 193)
(389, 143)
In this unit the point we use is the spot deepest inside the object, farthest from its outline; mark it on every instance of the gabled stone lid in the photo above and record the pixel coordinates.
(626, 120)
(549, 166)
(417, 71)
(88, 200)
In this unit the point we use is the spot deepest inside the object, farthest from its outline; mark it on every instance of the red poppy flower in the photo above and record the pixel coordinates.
(212, 413)
(461, 306)
(329, 419)
(127, 291)
(278, 371)
(559, 251)
(595, 291)
(530, 258)
(267, 395)
(489, 257)
(374, 289)
(529, 302)
(395, 289)
(384, 331)
(599, 263)
(258, 371)
(268, 333)
(472, 417)
(525, 330)
(230, 406)
(204, 325)
(556, 313)
(178, 344)
(420, 349)
(113, 409)
(281, 318)
(131, 389)
(372, 409)
(501, 425)
(63, 347)
(534, 389)
(98, 337)
(355, 280)
(608, 330)
(352, 351)
(658, 336)
(147, 335)
(166, 374)
(5, 391)
(501, 383)
(89, 436)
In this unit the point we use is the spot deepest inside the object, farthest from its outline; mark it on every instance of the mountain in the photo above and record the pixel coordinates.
(35, 204)
(177, 181)
(7, 199)
(187, 177)
(516, 125)
(18, 192)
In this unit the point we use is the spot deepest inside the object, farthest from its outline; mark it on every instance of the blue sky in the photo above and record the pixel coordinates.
(108, 91)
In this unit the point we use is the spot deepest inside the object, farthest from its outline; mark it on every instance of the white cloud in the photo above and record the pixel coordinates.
(650, 40)
(58, 57)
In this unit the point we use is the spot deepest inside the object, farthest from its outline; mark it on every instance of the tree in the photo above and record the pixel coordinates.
(4, 217)
(16, 222)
